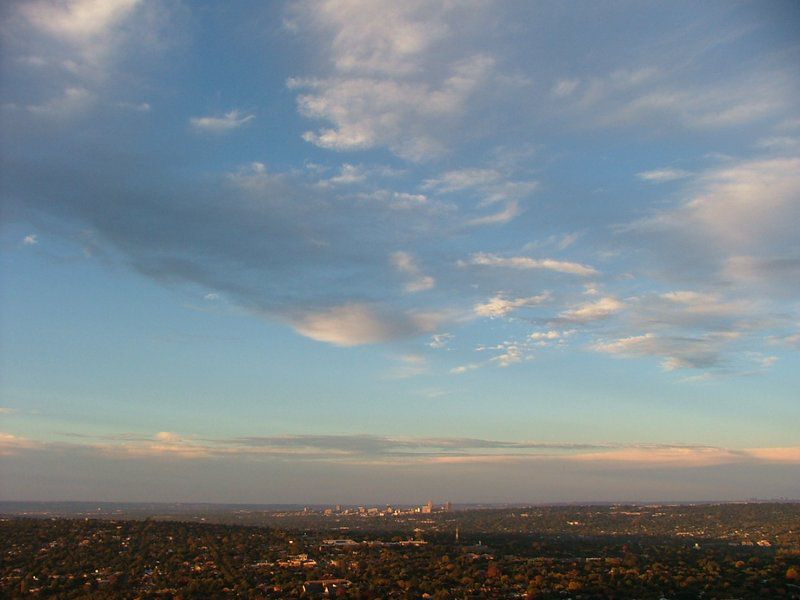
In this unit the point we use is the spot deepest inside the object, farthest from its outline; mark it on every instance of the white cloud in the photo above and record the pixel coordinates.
(348, 325)
(392, 79)
(355, 324)
(663, 175)
(545, 335)
(591, 289)
(86, 31)
(524, 262)
(440, 340)
(368, 112)
(229, 121)
(405, 201)
(499, 306)
(461, 369)
(79, 21)
(30, 240)
(509, 352)
(423, 283)
(405, 263)
(70, 53)
(543, 339)
(409, 199)
(374, 36)
(348, 175)
(400, 200)
(512, 354)
(592, 311)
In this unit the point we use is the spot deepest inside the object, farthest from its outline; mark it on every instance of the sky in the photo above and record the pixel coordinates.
(366, 251)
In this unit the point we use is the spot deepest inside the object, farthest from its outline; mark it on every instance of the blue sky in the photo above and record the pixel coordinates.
(465, 250)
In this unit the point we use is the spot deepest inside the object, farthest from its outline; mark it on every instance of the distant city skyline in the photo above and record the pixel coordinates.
(365, 251)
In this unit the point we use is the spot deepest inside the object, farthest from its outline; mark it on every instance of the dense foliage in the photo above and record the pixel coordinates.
(494, 557)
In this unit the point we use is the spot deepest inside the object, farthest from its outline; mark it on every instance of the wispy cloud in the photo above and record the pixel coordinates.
(361, 449)
(733, 227)
(738, 206)
(12, 444)
(511, 211)
(72, 101)
(523, 262)
(697, 352)
(461, 369)
(663, 175)
(348, 174)
(418, 281)
(409, 365)
(227, 122)
(651, 96)
(791, 339)
(462, 179)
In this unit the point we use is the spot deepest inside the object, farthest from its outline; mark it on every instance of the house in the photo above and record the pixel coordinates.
(328, 587)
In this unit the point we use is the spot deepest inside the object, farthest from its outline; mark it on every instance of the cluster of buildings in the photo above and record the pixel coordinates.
(374, 511)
